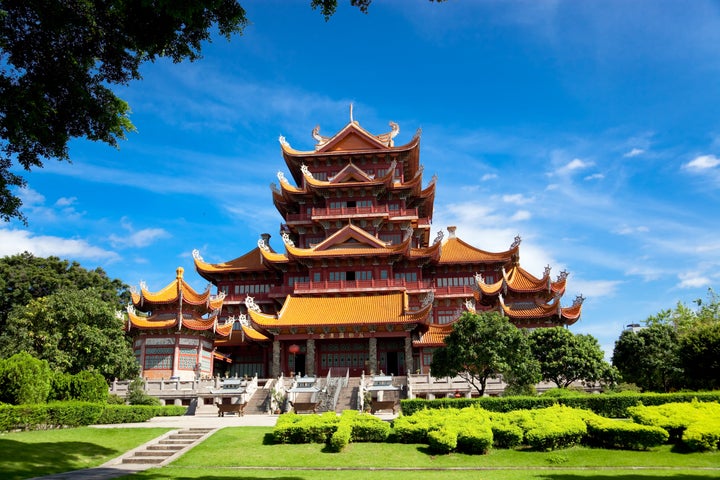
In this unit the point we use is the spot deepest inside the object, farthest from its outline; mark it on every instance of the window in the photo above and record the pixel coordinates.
(316, 277)
(407, 276)
(393, 238)
(158, 358)
(363, 275)
(383, 274)
(337, 276)
(445, 316)
(297, 279)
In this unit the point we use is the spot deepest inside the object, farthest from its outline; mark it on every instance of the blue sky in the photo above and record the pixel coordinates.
(591, 129)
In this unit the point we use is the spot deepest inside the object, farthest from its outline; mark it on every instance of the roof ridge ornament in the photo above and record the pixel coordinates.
(320, 139)
(470, 305)
(516, 242)
(262, 245)
(439, 237)
(562, 276)
(283, 141)
(196, 255)
(306, 171)
(251, 305)
(281, 177)
(143, 285)
(427, 299)
(579, 299)
(287, 240)
(548, 268)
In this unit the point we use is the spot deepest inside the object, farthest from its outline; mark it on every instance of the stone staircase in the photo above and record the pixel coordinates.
(348, 399)
(167, 446)
(259, 403)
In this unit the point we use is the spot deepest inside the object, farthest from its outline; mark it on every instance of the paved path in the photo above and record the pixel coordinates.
(115, 468)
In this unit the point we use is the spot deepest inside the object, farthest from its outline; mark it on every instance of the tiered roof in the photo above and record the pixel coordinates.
(348, 315)
(176, 305)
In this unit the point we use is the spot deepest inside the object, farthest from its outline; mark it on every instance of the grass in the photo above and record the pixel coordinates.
(245, 453)
(43, 452)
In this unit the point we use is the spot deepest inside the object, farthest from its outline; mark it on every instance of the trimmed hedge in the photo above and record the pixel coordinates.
(612, 433)
(695, 424)
(75, 414)
(611, 405)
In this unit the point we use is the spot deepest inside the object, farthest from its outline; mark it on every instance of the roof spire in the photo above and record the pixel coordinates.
(351, 113)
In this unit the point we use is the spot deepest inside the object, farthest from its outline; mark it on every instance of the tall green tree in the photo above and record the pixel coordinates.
(24, 277)
(566, 357)
(60, 60)
(699, 356)
(73, 330)
(649, 358)
(483, 346)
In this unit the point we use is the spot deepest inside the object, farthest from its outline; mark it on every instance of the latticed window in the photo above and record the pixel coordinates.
(188, 358)
(158, 358)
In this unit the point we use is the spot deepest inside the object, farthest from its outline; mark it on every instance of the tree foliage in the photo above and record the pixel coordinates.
(73, 330)
(678, 348)
(566, 357)
(649, 358)
(60, 61)
(483, 346)
(25, 277)
(24, 379)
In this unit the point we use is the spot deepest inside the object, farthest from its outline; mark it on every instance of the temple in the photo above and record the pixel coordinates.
(357, 283)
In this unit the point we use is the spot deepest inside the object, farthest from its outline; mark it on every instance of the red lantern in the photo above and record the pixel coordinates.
(294, 349)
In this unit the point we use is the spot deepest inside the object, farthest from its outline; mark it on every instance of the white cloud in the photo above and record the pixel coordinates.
(693, 280)
(517, 199)
(595, 176)
(65, 201)
(572, 166)
(634, 152)
(629, 230)
(137, 238)
(702, 162)
(521, 215)
(488, 176)
(13, 241)
(594, 288)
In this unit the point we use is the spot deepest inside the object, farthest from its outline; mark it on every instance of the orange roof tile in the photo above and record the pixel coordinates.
(435, 336)
(353, 310)
(250, 262)
(568, 315)
(349, 241)
(455, 250)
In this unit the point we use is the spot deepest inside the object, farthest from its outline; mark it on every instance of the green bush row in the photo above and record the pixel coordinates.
(335, 431)
(612, 433)
(696, 425)
(611, 405)
(75, 414)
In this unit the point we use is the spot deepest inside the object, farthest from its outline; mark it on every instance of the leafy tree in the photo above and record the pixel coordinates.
(61, 59)
(137, 396)
(699, 356)
(74, 330)
(566, 357)
(24, 379)
(483, 346)
(24, 277)
(649, 358)
(85, 386)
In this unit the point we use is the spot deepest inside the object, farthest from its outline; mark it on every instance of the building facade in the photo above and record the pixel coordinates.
(357, 282)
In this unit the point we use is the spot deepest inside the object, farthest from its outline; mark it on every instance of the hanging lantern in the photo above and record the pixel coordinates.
(294, 348)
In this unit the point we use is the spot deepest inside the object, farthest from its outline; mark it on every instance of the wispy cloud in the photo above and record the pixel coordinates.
(517, 199)
(13, 241)
(136, 238)
(702, 162)
(634, 152)
(693, 280)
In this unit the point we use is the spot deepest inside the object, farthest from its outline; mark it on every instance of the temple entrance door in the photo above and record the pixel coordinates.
(300, 363)
(392, 363)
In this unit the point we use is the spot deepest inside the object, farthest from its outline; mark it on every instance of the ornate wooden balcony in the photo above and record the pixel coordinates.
(356, 286)
(327, 213)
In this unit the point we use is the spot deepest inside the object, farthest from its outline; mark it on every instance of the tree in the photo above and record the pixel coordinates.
(566, 357)
(60, 60)
(74, 330)
(483, 346)
(24, 379)
(649, 358)
(699, 356)
(25, 277)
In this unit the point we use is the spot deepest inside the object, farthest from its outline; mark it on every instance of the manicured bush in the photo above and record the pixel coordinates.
(341, 437)
(701, 418)
(369, 428)
(613, 433)
(474, 439)
(24, 379)
(293, 428)
(85, 386)
(443, 440)
(702, 436)
(136, 413)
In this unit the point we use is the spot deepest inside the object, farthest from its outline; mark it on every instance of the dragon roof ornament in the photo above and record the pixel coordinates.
(281, 177)
(578, 300)
(306, 171)
(287, 240)
(516, 242)
(547, 271)
(439, 237)
(320, 139)
(251, 305)
(427, 299)
(143, 285)
(479, 279)
(562, 276)
(470, 305)
(283, 142)
(196, 254)
(262, 245)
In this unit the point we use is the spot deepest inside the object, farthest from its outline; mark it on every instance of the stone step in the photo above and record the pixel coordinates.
(175, 442)
(168, 448)
(144, 461)
(189, 436)
(153, 453)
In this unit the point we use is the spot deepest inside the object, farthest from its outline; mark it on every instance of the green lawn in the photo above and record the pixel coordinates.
(42, 452)
(243, 453)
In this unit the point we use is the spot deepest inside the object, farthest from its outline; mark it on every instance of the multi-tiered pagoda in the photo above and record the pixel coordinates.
(357, 283)
(174, 330)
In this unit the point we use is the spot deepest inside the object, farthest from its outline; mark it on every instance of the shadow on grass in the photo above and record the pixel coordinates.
(18, 461)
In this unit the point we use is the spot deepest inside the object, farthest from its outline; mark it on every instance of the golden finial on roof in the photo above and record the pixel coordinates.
(351, 113)
(179, 272)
